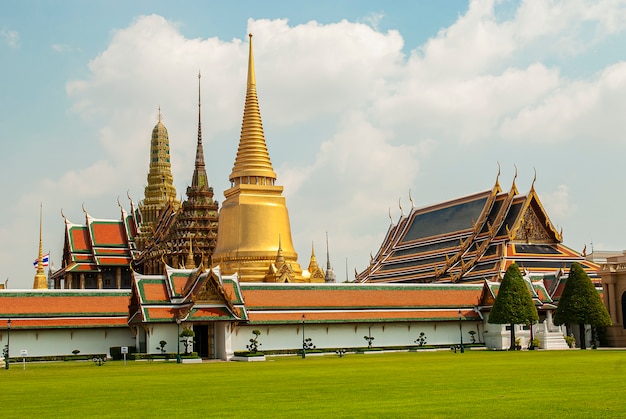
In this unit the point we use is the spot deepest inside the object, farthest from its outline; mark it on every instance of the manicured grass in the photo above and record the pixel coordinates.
(398, 385)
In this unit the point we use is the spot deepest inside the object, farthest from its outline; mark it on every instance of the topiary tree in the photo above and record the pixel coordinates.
(513, 304)
(421, 339)
(161, 346)
(187, 336)
(581, 304)
(253, 347)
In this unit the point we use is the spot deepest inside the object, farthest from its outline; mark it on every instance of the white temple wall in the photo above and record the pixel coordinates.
(351, 335)
(48, 342)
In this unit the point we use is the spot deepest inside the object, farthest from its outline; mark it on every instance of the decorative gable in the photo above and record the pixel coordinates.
(532, 229)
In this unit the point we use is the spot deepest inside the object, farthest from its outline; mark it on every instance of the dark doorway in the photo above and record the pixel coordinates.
(201, 340)
(624, 310)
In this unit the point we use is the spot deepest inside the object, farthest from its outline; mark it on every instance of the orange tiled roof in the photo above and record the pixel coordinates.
(286, 303)
(362, 316)
(326, 296)
(64, 308)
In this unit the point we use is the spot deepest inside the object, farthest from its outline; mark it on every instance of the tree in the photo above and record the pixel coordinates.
(581, 304)
(513, 304)
(253, 347)
(187, 336)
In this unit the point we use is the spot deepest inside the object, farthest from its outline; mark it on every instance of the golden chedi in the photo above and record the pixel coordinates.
(254, 233)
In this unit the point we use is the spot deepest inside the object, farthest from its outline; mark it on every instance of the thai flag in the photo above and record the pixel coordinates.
(45, 259)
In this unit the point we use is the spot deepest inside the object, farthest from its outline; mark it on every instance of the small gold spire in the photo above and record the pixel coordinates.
(40, 281)
(190, 263)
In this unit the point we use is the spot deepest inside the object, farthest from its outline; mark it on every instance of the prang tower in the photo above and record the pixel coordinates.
(254, 233)
(160, 188)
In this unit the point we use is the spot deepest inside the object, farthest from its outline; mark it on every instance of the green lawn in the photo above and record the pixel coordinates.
(415, 384)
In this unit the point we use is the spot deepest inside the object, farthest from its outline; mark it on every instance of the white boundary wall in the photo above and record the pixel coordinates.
(45, 342)
(351, 335)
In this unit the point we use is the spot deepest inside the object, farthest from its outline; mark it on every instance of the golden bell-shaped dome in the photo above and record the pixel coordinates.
(253, 220)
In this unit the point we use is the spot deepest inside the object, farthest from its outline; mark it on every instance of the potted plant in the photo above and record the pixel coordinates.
(534, 344)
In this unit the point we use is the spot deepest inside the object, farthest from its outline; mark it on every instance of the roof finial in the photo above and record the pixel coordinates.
(160, 116)
(498, 177)
(411, 199)
(400, 205)
(251, 75)
(390, 219)
(532, 186)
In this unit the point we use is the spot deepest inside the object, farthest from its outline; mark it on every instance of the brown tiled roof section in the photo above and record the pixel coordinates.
(79, 238)
(165, 313)
(154, 291)
(359, 316)
(108, 233)
(62, 304)
(362, 296)
(69, 322)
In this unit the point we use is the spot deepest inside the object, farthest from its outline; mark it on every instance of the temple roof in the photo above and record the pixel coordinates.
(98, 243)
(471, 239)
(37, 309)
(323, 303)
(185, 294)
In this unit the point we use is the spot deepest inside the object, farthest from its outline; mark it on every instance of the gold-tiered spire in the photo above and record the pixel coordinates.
(41, 281)
(160, 189)
(253, 159)
(254, 217)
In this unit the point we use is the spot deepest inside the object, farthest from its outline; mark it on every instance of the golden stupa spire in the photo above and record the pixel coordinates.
(41, 282)
(255, 211)
(252, 164)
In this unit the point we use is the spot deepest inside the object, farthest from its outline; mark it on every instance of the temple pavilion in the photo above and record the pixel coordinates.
(473, 239)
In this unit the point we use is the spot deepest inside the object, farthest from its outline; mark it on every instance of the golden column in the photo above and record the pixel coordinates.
(253, 220)
(41, 281)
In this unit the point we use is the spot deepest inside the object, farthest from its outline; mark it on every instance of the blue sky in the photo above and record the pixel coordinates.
(361, 102)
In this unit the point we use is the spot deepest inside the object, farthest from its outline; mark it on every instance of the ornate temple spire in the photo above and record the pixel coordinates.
(252, 164)
(160, 189)
(254, 217)
(330, 273)
(40, 281)
(195, 219)
(313, 261)
(200, 179)
(190, 263)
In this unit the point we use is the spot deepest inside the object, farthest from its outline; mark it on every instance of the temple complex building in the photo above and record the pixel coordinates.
(472, 239)
(184, 235)
(166, 267)
(160, 190)
(97, 254)
(613, 273)
(254, 233)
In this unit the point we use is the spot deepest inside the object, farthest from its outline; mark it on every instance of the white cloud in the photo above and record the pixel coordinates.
(10, 38)
(557, 203)
(62, 48)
